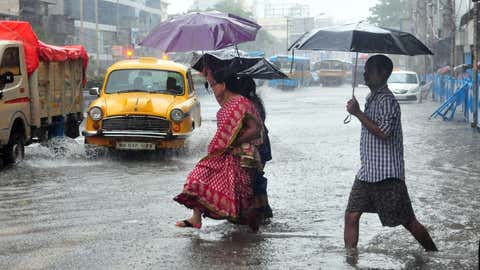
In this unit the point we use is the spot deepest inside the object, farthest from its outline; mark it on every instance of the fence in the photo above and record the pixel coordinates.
(444, 87)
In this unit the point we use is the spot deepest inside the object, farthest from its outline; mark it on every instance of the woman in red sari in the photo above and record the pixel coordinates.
(220, 185)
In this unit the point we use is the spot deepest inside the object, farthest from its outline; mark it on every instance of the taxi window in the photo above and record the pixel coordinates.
(145, 80)
(403, 78)
(10, 61)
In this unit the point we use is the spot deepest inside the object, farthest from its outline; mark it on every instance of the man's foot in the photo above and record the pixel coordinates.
(351, 256)
(188, 224)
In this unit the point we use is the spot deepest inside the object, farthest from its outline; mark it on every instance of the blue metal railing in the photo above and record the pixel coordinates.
(452, 93)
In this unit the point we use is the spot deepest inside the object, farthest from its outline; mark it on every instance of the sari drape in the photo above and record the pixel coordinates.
(220, 185)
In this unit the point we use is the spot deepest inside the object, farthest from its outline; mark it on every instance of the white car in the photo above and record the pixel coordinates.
(405, 85)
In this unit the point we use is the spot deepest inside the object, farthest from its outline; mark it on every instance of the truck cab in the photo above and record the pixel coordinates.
(14, 101)
(40, 89)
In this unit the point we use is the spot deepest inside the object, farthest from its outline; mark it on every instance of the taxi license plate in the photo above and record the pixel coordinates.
(135, 146)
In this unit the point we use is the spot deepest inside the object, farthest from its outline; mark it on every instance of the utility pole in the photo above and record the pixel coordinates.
(475, 65)
(96, 38)
(117, 24)
(82, 37)
(287, 34)
(451, 24)
(429, 35)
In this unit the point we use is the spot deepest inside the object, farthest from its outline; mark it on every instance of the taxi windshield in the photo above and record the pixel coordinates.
(145, 80)
(402, 78)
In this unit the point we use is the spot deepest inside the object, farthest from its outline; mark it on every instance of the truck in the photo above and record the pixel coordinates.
(331, 71)
(40, 89)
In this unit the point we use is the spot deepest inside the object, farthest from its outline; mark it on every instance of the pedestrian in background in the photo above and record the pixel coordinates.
(248, 88)
(379, 185)
(220, 185)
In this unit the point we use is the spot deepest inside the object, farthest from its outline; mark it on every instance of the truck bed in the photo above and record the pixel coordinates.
(60, 88)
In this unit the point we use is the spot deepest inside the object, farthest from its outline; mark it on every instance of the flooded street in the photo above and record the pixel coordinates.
(68, 210)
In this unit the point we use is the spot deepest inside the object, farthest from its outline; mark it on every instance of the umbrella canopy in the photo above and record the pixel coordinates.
(361, 37)
(238, 63)
(201, 31)
(263, 69)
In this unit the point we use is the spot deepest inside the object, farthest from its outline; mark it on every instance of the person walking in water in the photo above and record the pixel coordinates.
(379, 185)
(220, 185)
(248, 88)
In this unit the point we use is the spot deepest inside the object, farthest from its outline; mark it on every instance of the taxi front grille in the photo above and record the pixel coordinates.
(136, 123)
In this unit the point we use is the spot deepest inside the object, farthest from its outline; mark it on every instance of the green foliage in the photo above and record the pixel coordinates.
(229, 6)
(41, 33)
(94, 81)
(232, 7)
(388, 13)
(263, 41)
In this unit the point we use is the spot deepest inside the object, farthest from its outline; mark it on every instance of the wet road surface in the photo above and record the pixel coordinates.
(69, 210)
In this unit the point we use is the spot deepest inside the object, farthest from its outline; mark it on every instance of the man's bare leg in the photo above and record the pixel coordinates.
(421, 235)
(350, 233)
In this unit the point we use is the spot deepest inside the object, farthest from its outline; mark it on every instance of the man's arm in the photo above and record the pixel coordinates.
(372, 127)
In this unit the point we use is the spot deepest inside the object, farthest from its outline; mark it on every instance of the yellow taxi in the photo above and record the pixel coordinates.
(144, 104)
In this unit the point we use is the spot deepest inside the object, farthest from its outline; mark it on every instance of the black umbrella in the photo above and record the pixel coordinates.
(361, 37)
(263, 69)
(239, 63)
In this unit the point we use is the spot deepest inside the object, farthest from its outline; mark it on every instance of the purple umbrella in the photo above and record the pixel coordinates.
(201, 31)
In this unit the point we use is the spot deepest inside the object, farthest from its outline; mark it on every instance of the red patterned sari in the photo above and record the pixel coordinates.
(220, 185)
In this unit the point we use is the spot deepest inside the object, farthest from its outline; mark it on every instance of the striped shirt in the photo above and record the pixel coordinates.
(382, 159)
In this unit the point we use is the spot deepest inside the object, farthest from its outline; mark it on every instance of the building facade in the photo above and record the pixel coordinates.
(285, 20)
(108, 27)
(105, 27)
(9, 10)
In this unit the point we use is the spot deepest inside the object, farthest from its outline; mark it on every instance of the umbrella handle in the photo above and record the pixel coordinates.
(349, 116)
(236, 49)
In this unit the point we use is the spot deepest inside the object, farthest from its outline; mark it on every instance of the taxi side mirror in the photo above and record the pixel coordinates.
(94, 91)
(422, 83)
(7, 77)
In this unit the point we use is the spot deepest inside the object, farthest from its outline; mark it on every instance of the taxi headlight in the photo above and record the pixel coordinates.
(177, 115)
(95, 113)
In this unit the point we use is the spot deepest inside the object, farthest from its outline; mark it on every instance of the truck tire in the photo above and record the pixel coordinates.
(14, 151)
(72, 128)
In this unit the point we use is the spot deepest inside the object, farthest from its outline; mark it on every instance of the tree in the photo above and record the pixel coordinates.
(388, 13)
(228, 6)
(264, 40)
(234, 8)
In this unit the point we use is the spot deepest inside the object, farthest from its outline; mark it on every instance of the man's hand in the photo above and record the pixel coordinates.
(353, 107)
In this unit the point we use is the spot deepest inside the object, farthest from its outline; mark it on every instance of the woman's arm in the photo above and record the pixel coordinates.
(251, 130)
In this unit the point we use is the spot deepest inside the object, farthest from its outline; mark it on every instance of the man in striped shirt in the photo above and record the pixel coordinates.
(379, 185)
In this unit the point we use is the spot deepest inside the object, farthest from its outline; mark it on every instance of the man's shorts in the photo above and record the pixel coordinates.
(388, 198)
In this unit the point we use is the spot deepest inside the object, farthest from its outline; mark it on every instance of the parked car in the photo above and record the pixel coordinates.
(405, 85)
(144, 104)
